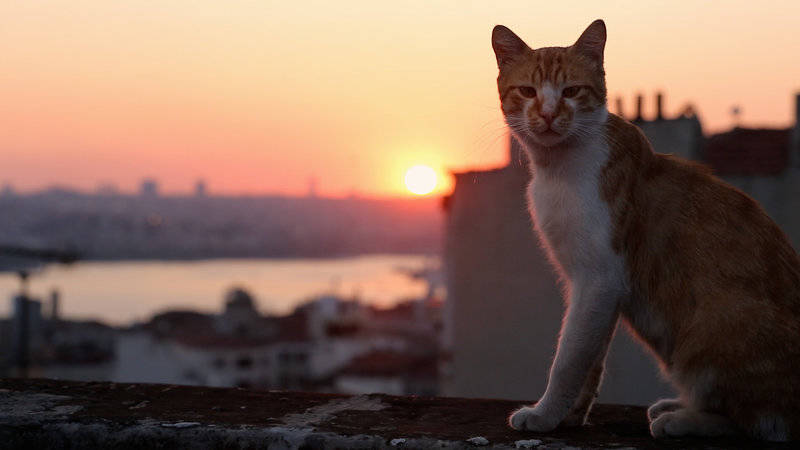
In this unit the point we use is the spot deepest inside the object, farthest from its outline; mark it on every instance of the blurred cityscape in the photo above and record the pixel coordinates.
(486, 327)
(329, 343)
(112, 225)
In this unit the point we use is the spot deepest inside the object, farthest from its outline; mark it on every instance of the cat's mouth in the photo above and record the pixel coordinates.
(550, 134)
(549, 137)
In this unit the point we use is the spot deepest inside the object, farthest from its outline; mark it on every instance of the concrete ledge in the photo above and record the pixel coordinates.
(59, 415)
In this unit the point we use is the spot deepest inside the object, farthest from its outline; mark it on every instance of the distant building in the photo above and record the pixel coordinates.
(240, 317)
(327, 344)
(765, 163)
(681, 135)
(8, 190)
(42, 345)
(200, 189)
(504, 309)
(55, 305)
(107, 190)
(129, 226)
(313, 188)
(79, 350)
(6, 355)
(238, 348)
(27, 332)
(390, 373)
(149, 188)
(310, 349)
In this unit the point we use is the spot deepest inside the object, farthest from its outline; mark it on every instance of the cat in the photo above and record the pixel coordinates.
(694, 267)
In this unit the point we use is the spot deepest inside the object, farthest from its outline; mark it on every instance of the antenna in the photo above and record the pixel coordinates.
(736, 113)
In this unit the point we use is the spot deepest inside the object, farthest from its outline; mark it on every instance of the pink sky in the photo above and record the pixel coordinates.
(259, 97)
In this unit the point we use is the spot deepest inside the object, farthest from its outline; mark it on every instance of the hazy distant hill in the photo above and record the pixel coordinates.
(122, 227)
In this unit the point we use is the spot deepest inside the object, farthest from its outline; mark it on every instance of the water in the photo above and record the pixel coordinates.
(121, 292)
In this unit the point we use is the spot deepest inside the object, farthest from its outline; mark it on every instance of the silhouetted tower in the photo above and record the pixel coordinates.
(660, 106)
(7, 191)
(149, 188)
(796, 110)
(200, 189)
(736, 114)
(25, 323)
(795, 151)
(639, 105)
(55, 305)
(313, 187)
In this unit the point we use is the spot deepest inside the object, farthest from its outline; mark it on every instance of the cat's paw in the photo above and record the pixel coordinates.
(687, 422)
(662, 406)
(531, 419)
(670, 424)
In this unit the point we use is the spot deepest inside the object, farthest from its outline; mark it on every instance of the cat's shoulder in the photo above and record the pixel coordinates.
(629, 150)
(622, 130)
(622, 134)
(626, 139)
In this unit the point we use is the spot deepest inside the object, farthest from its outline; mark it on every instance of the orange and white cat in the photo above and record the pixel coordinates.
(692, 265)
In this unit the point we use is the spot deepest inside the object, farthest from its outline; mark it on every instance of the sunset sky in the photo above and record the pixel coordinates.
(261, 96)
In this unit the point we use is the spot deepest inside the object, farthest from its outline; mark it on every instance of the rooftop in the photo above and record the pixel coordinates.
(59, 414)
(382, 363)
(745, 151)
(194, 329)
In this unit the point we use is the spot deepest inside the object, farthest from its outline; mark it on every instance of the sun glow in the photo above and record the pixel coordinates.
(420, 180)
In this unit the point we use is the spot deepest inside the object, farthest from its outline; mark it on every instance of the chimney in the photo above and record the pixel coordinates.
(639, 101)
(55, 307)
(660, 106)
(619, 107)
(797, 111)
(795, 149)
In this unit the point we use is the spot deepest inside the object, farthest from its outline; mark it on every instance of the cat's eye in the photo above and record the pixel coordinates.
(571, 91)
(527, 91)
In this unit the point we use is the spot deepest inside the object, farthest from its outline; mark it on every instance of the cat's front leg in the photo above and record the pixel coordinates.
(591, 389)
(589, 323)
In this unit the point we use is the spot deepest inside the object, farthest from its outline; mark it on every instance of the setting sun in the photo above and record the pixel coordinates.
(420, 180)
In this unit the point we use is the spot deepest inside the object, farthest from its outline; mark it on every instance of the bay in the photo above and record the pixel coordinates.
(122, 292)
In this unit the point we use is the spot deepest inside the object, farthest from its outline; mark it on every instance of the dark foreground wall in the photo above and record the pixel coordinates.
(60, 415)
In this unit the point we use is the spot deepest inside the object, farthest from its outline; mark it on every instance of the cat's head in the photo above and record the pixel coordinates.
(551, 94)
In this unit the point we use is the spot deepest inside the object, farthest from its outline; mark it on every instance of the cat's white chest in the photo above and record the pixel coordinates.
(570, 215)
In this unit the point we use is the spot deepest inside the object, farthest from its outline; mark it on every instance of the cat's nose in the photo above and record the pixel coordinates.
(547, 117)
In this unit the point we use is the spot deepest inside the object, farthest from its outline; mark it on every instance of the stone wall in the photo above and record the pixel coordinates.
(56, 415)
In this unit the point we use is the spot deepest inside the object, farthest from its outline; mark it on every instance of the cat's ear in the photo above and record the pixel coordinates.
(507, 45)
(593, 40)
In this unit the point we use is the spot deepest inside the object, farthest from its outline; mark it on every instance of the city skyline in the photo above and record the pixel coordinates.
(261, 98)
